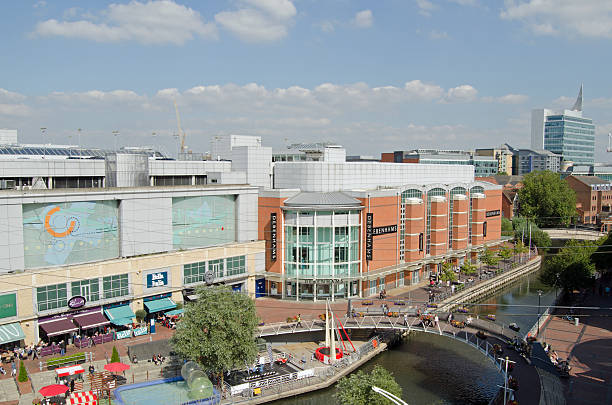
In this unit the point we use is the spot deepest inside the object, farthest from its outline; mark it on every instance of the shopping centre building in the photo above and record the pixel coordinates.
(76, 260)
(336, 230)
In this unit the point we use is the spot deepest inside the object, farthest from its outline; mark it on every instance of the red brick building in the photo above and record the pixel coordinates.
(593, 197)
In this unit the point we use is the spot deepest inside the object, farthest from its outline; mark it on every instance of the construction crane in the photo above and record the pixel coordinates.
(181, 134)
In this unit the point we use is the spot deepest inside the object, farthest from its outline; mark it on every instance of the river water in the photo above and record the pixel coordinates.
(436, 370)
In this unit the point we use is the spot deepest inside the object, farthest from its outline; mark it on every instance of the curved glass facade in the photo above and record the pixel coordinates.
(322, 253)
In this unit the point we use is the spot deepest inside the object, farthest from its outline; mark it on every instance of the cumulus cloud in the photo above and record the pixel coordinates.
(9, 96)
(434, 34)
(17, 110)
(425, 7)
(259, 20)
(155, 22)
(461, 94)
(584, 18)
(363, 19)
(507, 99)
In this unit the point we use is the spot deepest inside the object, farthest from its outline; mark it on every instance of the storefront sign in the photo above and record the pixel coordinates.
(140, 331)
(8, 305)
(124, 334)
(369, 229)
(273, 236)
(493, 213)
(157, 279)
(77, 301)
(382, 230)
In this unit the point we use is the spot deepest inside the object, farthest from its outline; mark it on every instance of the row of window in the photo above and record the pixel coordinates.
(232, 266)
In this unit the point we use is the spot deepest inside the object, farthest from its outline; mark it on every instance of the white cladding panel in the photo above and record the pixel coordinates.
(329, 177)
(11, 239)
(145, 225)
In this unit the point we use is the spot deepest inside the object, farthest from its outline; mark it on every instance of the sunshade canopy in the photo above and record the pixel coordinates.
(161, 304)
(91, 320)
(58, 327)
(53, 390)
(175, 312)
(72, 370)
(11, 332)
(120, 315)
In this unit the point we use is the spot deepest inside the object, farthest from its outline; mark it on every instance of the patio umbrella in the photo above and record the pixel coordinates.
(53, 390)
(116, 367)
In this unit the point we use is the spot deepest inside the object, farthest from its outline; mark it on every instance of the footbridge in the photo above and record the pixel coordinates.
(576, 233)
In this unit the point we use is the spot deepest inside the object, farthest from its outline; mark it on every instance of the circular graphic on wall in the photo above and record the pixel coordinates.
(209, 277)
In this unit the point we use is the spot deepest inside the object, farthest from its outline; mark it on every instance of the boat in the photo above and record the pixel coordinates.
(514, 327)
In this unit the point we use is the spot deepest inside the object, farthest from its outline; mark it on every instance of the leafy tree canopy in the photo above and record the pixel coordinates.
(356, 389)
(115, 356)
(539, 238)
(447, 273)
(547, 199)
(602, 257)
(218, 330)
(489, 258)
(468, 268)
(505, 252)
(571, 268)
(506, 227)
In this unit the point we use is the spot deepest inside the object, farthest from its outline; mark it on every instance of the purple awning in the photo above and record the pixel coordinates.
(58, 327)
(91, 320)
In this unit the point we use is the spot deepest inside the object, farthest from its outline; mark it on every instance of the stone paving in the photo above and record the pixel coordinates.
(589, 348)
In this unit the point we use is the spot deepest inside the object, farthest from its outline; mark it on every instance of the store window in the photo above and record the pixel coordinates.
(116, 286)
(236, 265)
(194, 272)
(51, 297)
(90, 289)
(217, 266)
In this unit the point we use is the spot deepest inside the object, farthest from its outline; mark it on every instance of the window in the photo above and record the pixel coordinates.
(340, 254)
(194, 272)
(236, 265)
(51, 297)
(116, 286)
(217, 266)
(90, 289)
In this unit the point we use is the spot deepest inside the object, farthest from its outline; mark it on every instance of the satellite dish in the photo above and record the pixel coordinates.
(209, 277)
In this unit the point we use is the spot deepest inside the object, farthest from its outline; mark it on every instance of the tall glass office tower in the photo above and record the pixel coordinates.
(566, 133)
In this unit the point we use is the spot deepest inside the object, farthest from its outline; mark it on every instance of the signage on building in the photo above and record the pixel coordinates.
(123, 334)
(369, 231)
(157, 279)
(140, 331)
(601, 187)
(273, 236)
(8, 305)
(76, 301)
(382, 230)
(493, 213)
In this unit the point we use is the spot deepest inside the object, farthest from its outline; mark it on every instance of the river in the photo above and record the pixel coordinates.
(436, 370)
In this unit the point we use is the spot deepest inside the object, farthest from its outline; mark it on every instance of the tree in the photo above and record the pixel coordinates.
(23, 373)
(506, 227)
(602, 257)
(547, 198)
(447, 273)
(502, 174)
(218, 330)
(489, 258)
(520, 249)
(571, 268)
(539, 238)
(356, 389)
(505, 253)
(140, 315)
(468, 268)
(115, 356)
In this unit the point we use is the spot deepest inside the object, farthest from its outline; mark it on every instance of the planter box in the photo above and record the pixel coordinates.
(24, 387)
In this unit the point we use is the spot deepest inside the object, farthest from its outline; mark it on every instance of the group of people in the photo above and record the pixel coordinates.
(24, 353)
(382, 294)
(13, 369)
(158, 359)
(168, 321)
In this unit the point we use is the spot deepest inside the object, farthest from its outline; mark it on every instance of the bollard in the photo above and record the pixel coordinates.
(576, 321)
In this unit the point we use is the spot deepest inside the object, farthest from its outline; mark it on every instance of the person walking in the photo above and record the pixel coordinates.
(13, 369)
(436, 320)
(299, 320)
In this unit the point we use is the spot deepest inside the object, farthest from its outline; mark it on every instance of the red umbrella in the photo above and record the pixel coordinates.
(53, 390)
(116, 367)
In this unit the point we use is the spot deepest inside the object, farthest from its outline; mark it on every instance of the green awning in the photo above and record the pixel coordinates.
(161, 304)
(175, 312)
(120, 315)
(11, 332)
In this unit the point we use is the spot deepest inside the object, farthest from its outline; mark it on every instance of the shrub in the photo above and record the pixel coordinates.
(140, 315)
(23, 373)
(115, 356)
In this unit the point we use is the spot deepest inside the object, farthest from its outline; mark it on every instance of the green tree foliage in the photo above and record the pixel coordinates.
(506, 227)
(489, 258)
(547, 198)
(23, 373)
(571, 268)
(520, 248)
(447, 273)
(602, 257)
(356, 389)
(218, 330)
(502, 174)
(504, 253)
(539, 238)
(140, 315)
(468, 268)
(115, 356)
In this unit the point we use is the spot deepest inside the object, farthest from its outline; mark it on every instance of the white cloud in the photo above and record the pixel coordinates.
(40, 4)
(363, 19)
(425, 7)
(465, 2)
(507, 99)
(87, 98)
(459, 94)
(416, 89)
(154, 22)
(584, 18)
(9, 96)
(438, 35)
(259, 20)
(327, 26)
(18, 110)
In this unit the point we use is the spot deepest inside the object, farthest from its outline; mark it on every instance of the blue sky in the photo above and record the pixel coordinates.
(404, 73)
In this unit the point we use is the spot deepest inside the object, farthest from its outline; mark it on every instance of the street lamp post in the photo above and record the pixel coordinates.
(43, 132)
(539, 297)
